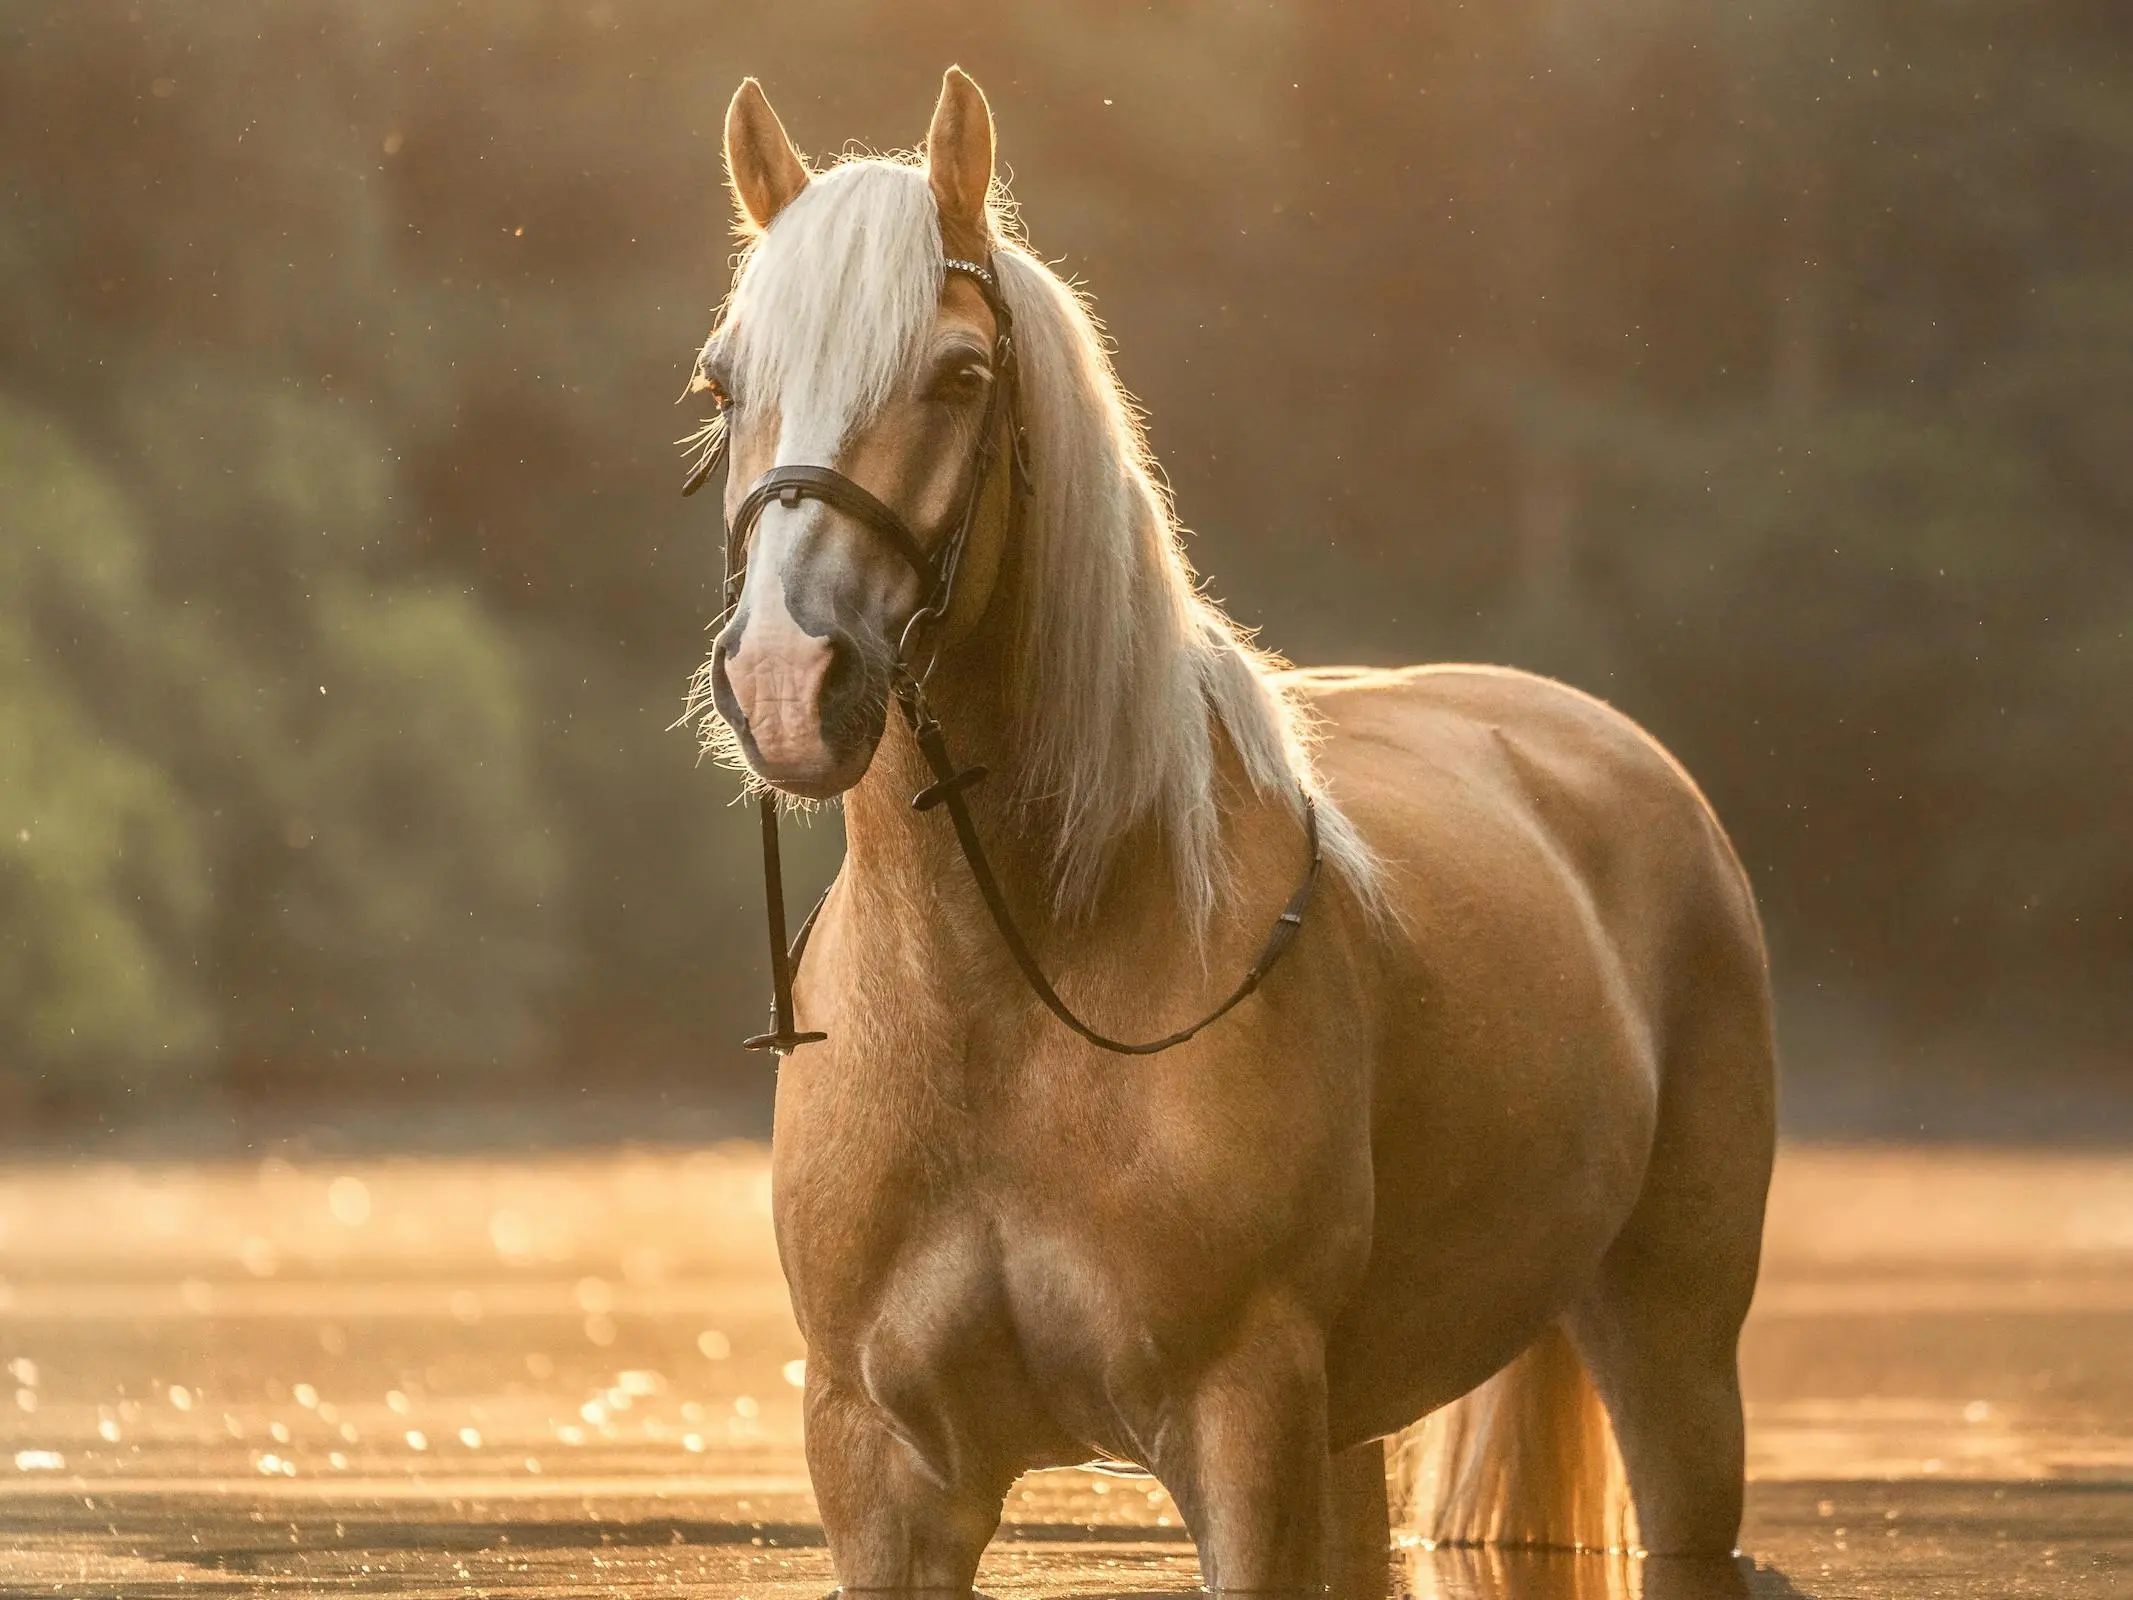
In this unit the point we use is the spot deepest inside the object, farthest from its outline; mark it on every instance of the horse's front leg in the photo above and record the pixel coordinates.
(896, 1518)
(1244, 1455)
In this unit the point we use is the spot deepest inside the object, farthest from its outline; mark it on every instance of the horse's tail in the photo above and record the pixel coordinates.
(1527, 1458)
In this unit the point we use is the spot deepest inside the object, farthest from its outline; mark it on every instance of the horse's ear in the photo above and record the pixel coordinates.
(959, 165)
(765, 170)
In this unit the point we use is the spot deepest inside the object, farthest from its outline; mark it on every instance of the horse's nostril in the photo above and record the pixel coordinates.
(728, 642)
(844, 666)
(843, 681)
(722, 695)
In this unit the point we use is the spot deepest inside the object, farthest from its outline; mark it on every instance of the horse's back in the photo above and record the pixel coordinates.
(1578, 791)
(1573, 1007)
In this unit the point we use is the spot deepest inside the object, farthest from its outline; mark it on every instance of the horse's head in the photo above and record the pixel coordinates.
(846, 345)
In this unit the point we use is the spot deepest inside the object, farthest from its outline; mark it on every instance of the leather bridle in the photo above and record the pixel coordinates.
(936, 570)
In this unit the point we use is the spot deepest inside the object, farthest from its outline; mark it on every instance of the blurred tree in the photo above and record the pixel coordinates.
(103, 874)
(1725, 362)
(297, 830)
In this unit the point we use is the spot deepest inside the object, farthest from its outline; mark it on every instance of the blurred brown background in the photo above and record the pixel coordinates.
(1766, 370)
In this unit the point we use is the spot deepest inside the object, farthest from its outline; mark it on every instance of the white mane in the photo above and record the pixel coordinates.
(1122, 668)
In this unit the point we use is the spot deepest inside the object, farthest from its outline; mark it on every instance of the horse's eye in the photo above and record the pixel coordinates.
(707, 386)
(961, 383)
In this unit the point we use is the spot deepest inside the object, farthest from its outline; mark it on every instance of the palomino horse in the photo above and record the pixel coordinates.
(1499, 1124)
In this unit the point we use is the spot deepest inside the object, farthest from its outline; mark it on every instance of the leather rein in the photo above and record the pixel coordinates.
(936, 571)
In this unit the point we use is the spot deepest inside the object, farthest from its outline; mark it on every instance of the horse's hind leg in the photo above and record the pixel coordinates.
(1659, 1331)
(1673, 1393)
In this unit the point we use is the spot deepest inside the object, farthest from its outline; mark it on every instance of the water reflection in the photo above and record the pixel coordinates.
(1460, 1573)
(1466, 1573)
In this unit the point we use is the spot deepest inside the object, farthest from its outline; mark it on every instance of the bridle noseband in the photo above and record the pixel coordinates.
(936, 570)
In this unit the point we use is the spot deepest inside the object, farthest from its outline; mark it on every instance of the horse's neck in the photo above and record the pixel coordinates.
(908, 860)
(914, 909)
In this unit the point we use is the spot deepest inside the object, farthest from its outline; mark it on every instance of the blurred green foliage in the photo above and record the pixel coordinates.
(289, 833)
(1766, 370)
(102, 874)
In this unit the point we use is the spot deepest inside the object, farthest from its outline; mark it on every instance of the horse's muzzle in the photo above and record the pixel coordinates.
(807, 711)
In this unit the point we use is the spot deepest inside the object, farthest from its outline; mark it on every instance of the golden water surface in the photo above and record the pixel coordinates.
(577, 1375)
